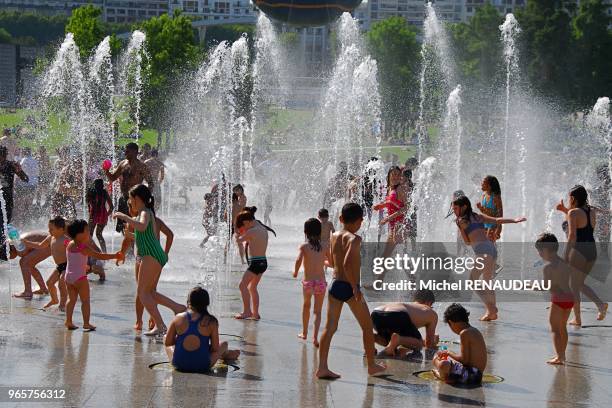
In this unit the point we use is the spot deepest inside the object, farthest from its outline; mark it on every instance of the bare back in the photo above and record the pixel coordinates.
(327, 228)
(257, 237)
(58, 249)
(473, 348)
(314, 261)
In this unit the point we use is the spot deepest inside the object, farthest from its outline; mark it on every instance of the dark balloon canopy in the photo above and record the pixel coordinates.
(305, 13)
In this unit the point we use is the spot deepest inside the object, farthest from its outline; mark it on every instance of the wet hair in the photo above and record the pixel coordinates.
(141, 191)
(547, 240)
(323, 213)
(464, 201)
(198, 300)
(154, 153)
(76, 227)
(391, 170)
(351, 212)
(407, 173)
(58, 222)
(236, 187)
(312, 230)
(493, 184)
(456, 313)
(424, 296)
(132, 146)
(253, 210)
(244, 216)
(579, 194)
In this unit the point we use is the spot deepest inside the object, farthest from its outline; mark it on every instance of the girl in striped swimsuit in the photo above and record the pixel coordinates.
(152, 254)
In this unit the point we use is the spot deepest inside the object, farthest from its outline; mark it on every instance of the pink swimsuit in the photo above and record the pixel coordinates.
(394, 204)
(316, 286)
(76, 269)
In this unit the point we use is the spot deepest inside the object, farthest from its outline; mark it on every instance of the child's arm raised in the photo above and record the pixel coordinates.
(37, 245)
(495, 220)
(298, 261)
(99, 255)
(139, 224)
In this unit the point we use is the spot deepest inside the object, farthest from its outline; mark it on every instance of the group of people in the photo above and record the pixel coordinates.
(192, 337)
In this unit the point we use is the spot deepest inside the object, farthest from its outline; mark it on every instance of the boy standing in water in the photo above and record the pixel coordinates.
(346, 261)
(557, 272)
(466, 367)
(255, 235)
(56, 242)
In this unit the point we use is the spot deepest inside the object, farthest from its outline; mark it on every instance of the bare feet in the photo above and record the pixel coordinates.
(41, 292)
(23, 295)
(326, 374)
(377, 368)
(71, 326)
(138, 326)
(231, 355)
(556, 361)
(392, 345)
(302, 336)
(242, 316)
(62, 308)
(151, 323)
(156, 332)
(315, 342)
(89, 327)
(575, 322)
(50, 303)
(255, 317)
(602, 312)
(489, 317)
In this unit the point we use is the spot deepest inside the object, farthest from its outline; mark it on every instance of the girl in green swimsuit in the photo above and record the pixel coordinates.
(152, 254)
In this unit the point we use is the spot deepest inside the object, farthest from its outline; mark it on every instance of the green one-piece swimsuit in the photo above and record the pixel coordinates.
(148, 244)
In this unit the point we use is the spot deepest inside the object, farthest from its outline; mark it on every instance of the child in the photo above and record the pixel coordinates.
(161, 228)
(239, 201)
(491, 205)
(255, 235)
(152, 255)
(268, 206)
(467, 367)
(97, 200)
(346, 261)
(313, 255)
(77, 284)
(210, 217)
(56, 242)
(192, 341)
(327, 227)
(557, 272)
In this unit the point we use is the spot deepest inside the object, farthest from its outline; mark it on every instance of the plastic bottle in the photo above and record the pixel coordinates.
(443, 352)
(13, 238)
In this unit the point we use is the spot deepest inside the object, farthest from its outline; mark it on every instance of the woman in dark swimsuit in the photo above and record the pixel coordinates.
(581, 250)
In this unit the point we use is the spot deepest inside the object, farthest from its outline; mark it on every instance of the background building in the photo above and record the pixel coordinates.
(214, 9)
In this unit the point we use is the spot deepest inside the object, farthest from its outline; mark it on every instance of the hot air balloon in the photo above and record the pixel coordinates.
(306, 13)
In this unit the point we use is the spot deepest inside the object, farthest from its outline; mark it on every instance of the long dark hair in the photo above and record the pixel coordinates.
(236, 187)
(97, 194)
(464, 201)
(493, 184)
(579, 194)
(141, 191)
(312, 230)
(391, 170)
(198, 300)
(253, 210)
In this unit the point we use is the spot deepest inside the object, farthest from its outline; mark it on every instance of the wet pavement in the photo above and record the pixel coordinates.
(111, 366)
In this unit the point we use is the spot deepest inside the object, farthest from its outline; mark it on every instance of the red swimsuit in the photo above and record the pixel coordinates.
(393, 205)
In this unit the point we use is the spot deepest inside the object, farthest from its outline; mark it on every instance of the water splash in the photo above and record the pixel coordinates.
(453, 131)
(509, 31)
(131, 76)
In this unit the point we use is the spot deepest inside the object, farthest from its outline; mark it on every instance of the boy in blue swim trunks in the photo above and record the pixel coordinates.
(465, 368)
(345, 246)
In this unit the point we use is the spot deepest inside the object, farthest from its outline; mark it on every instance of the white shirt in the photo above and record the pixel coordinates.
(30, 167)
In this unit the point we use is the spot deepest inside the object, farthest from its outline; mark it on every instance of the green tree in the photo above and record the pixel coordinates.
(478, 53)
(43, 29)
(229, 33)
(86, 26)
(392, 42)
(593, 52)
(171, 52)
(5, 36)
(546, 47)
